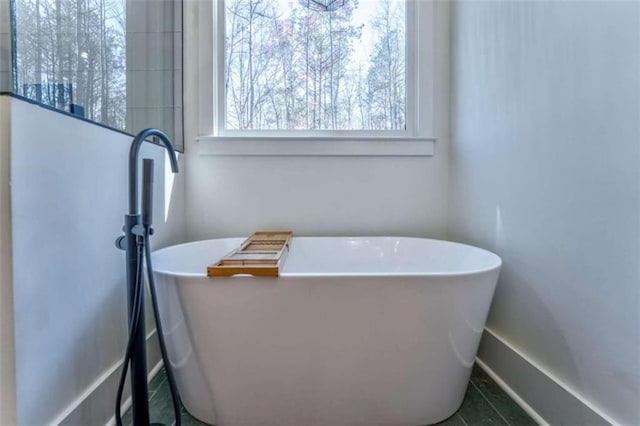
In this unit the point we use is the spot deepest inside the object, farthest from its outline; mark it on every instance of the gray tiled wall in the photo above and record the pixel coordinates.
(5, 47)
(154, 66)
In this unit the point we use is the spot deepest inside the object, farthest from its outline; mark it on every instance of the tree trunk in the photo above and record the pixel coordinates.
(38, 66)
(104, 74)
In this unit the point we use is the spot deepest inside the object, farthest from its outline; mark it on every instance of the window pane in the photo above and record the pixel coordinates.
(288, 66)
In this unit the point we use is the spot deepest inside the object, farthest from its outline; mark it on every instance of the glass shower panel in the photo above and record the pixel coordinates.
(115, 62)
(154, 66)
(71, 56)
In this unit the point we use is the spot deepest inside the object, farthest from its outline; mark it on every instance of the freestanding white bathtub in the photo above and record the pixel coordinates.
(355, 331)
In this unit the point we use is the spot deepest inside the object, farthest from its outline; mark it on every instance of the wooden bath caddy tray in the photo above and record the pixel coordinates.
(260, 255)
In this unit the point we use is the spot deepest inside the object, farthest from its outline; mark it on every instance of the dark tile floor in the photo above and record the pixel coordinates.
(484, 404)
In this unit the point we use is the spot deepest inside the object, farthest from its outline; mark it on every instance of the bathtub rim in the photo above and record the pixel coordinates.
(495, 266)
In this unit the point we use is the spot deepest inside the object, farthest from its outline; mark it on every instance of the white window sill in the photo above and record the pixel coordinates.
(315, 146)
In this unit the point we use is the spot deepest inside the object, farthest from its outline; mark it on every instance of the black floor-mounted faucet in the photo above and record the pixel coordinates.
(137, 229)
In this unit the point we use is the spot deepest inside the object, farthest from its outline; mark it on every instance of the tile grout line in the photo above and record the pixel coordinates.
(157, 389)
(490, 404)
(152, 394)
(462, 419)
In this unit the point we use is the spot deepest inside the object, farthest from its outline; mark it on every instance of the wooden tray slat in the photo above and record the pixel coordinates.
(261, 254)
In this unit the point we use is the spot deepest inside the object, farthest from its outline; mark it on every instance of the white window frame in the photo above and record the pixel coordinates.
(416, 140)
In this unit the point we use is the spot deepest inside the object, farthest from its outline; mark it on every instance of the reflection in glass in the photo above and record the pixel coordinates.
(115, 62)
(71, 56)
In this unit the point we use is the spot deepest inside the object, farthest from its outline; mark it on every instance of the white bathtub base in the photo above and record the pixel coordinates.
(324, 350)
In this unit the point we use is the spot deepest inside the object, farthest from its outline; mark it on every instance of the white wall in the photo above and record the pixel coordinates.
(234, 196)
(545, 172)
(68, 200)
(7, 362)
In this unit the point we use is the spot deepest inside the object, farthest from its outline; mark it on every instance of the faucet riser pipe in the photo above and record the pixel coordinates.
(139, 391)
(133, 241)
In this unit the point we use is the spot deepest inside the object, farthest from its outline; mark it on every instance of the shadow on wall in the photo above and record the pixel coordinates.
(69, 184)
(518, 278)
(107, 328)
(518, 281)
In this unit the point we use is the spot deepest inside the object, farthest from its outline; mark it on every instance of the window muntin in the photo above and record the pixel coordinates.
(287, 68)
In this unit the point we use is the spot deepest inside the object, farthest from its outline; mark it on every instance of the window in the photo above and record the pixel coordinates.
(288, 65)
(283, 71)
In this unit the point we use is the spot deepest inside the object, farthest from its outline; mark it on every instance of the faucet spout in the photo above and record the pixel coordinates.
(158, 135)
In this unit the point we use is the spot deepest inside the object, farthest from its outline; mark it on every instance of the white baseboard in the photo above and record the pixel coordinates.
(95, 404)
(544, 397)
(512, 394)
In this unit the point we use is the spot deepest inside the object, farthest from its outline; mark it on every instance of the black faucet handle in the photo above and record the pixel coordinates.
(121, 242)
